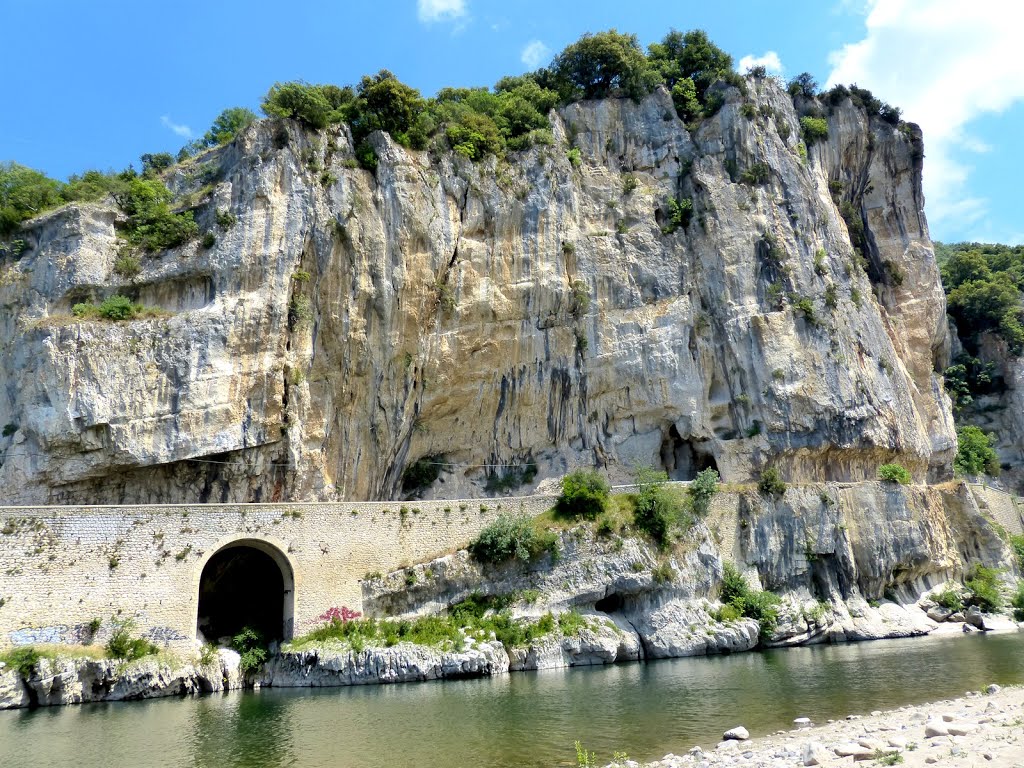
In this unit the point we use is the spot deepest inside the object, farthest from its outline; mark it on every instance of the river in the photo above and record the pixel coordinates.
(521, 720)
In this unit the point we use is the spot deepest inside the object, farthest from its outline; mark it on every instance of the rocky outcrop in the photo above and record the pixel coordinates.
(67, 679)
(486, 317)
(849, 562)
(404, 663)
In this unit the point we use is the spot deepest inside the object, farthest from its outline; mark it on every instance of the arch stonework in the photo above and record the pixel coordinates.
(278, 552)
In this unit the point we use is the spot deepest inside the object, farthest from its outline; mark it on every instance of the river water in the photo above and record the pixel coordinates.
(520, 720)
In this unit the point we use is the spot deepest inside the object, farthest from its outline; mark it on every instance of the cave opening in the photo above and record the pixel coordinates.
(609, 603)
(245, 584)
(682, 458)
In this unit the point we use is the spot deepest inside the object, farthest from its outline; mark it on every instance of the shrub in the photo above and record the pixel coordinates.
(154, 164)
(151, 223)
(771, 483)
(949, 599)
(656, 508)
(575, 159)
(123, 646)
(24, 193)
(760, 606)
(209, 240)
(983, 588)
(584, 495)
(974, 452)
(758, 173)
(300, 101)
(1018, 603)
(511, 537)
(894, 473)
(226, 219)
(814, 129)
(702, 490)
(127, 265)
(10, 429)
(680, 210)
(23, 659)
(250, 646)
(1017, 544)
(227, 125)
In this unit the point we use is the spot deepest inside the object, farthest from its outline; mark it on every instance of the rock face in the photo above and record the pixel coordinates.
(61, 681)
(849, 562)
(504, 313)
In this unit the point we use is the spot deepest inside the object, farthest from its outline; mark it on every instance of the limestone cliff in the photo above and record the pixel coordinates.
(538, 312)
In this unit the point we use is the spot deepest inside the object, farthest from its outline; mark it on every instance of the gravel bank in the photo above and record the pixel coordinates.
(978, 729)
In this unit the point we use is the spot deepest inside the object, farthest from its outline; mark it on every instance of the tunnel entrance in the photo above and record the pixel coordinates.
(245, 584)
(683, 459)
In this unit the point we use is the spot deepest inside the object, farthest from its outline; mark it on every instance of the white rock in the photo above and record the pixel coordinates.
(935, 728)
(739, 733)
(815, 753)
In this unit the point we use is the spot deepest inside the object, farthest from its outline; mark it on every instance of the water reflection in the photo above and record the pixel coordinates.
(515, 720)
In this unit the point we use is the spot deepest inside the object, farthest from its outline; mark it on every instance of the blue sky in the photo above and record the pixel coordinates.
(94, 85)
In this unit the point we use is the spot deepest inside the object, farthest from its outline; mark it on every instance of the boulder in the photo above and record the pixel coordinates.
(974, 618)
(815, 753)
(739, 733)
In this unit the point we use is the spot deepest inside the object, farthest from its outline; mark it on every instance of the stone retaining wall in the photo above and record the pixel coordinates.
(62, 567)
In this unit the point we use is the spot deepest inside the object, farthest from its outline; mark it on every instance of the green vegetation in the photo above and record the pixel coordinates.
(22, 659)
(115, 308)
(584, 495)
(512, 537)
(420, 474)
(1018, 603)
(813, 129)
(969, 378)
(894, 473)
(771, 483)
(251, 647)
(122, 645)
(152, 225)
(657, 508)
(702, 490)
(983, 588)
(760, 606)
(479, 614)
(680, 211)
(983, 284)
(23, 194)
(974, 452)
(226, 126)
(1017, 543)
(949, 599)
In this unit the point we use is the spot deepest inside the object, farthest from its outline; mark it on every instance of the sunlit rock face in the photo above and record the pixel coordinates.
(531, 313)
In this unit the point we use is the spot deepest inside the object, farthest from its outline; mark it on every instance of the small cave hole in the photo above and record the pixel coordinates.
(609, 603)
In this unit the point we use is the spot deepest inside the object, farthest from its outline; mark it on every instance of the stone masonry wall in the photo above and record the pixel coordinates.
(61, 567)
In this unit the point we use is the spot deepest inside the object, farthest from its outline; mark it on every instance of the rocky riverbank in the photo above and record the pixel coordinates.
(976, 729)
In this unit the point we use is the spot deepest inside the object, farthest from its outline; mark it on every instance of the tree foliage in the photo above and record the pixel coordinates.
(604, 64)
(227, 125)
(974, 452)
(584, 495)
(983, 288)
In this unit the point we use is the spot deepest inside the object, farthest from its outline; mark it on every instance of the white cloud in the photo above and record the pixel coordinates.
(770, 61)
(440, 10)
(945, 63)
(181, 130)
(535, 54)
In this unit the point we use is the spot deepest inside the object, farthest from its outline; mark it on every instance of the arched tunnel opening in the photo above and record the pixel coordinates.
(244, 586)
(609, 603)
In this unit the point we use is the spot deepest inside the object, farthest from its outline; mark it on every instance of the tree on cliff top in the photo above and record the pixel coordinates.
(604, 64)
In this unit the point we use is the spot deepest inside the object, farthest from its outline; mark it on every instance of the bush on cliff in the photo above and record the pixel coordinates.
(512, 537)
(983, 588)
(584, 495)
(657, 509)
(122, 645)
(22, 659)
(702, 490)
(771, 483)
(251, 648)
(761, 606)
(1018, 603)
(894, 473)
(974, 453)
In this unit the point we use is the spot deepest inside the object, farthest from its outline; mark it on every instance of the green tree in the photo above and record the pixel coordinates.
(386, 104)
(604, 64)
(300, 101)
(963, 267)
(974, 452)
(24, 193)
(979, 305)
(690, 56)
(584, 495)
(154, 163)
(657, 509)
(894, 473)
(227, 125)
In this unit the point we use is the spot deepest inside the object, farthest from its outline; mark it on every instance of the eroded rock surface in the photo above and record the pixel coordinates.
(505, 313)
